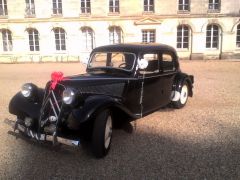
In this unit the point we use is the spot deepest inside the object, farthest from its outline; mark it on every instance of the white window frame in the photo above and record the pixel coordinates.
(210, 39)
(148, 35)
(115, 35)
(58, 9)
(30, 7)
(147, 6)
(7, 40)
(185, 6)
(114, 8)
(214, 5)
(35, 40)
(181, 29)
(3, 8)
(88, 38)
(85, 9)
(61, 42)
(238, 36)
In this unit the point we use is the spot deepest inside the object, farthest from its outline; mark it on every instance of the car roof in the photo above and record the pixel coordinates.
(134, 47)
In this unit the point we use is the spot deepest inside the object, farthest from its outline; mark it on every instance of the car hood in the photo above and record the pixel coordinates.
(112, 85)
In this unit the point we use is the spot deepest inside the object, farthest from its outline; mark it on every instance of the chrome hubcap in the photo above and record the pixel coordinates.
(108, 132)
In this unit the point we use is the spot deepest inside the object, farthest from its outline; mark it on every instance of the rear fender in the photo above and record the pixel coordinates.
(180, 79)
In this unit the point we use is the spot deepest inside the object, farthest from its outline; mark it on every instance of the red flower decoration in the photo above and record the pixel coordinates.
(56, 77)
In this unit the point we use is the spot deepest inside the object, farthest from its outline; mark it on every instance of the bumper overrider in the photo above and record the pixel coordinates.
(43, 124)
(16, 125)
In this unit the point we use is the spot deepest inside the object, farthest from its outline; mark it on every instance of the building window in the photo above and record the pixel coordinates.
(7, 40)
(85, 6)
(88, 38)
(114, 6)
(57, 7)
(30, 7)
(212, 36)
(183, 5)
(148, 36)
(148, 5)
(238, 36)
(183, 37)
(3, 8)
(214, 5)
(60, 39)
(115, 35)
(33, 37)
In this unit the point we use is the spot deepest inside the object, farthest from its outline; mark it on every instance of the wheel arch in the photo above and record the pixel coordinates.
(21, 106)
(180, 79)
(95, 104)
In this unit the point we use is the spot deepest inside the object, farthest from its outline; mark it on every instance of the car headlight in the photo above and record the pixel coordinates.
(68, 96)
(27, 90)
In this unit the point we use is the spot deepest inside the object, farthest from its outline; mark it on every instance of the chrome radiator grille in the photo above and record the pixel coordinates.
(51, 106)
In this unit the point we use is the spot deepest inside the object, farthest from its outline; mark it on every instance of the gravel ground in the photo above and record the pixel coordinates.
(200, 141)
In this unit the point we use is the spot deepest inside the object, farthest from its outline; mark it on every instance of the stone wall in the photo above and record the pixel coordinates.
(131, 19)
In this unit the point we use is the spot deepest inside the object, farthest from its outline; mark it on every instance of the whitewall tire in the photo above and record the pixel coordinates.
(182, 96)
(102, 134)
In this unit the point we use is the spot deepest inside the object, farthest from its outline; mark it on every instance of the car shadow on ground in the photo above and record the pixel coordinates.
(134, 155)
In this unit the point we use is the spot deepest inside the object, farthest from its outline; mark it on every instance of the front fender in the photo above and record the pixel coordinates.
(21, 106)
(94, 104)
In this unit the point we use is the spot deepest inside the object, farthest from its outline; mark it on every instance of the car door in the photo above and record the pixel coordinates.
(168, 68)
(152, 88)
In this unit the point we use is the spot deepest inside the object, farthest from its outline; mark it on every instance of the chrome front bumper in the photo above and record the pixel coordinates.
(41, 137)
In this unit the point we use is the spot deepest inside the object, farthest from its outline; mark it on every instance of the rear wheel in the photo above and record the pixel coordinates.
(102, 134)
(184, 92)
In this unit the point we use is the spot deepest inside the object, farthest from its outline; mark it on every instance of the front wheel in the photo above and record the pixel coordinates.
(184, 92)
(102, 134)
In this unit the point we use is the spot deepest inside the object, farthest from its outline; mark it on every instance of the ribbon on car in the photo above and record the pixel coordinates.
(56, 78)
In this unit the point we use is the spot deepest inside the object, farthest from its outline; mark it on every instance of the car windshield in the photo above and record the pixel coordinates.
(116, 60)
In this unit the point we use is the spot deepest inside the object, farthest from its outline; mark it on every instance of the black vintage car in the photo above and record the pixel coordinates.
(122, 82)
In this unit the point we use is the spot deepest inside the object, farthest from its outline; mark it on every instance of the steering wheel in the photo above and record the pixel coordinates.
(120, 65)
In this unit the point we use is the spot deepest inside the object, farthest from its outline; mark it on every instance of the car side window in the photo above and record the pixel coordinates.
(99, 60)
(153, 63)
(117, 58)
(120, 60)
(167, 62)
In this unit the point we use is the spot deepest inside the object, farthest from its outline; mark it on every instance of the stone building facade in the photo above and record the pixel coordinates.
(60, 30)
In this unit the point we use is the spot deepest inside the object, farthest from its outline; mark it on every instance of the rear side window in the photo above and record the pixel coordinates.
(167, 62)
(153, 63)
